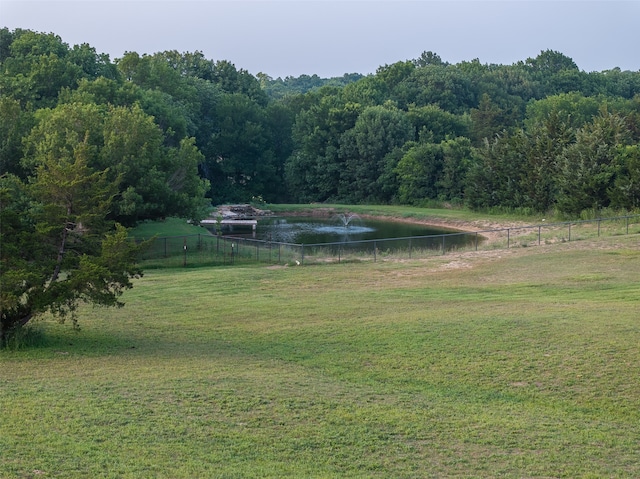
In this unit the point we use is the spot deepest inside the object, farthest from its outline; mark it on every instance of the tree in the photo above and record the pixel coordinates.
(365, 150)
(625, 192)
(494, 177)
(588, 167)
(433, 124)
(419, 171)
(232, 80)
(486, 120)
(58, 248)
(243, 165)
(550, 61)
(457, 154)
(434, 171)
(15, 124)
(444, 86)
(542, 145)
(313, 170)
(573, 108)
(126, 143)
(428, 58)
(38, 66)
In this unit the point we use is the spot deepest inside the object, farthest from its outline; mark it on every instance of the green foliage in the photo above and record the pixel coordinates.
(365, 150)
(444, 86)
(15, 124)
(154, 180)
(290, 86)
(432, 123)
(418, 172)
(588, 167)
(625, 192)
(58, 248)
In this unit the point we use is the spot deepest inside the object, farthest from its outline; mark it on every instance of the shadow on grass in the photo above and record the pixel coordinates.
(47, 339)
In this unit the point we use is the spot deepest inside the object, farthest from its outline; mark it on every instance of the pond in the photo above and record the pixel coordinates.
(350, 229)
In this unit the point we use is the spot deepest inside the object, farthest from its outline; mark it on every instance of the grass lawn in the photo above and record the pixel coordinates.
(403, 212)
(168, 227)
(508, 363)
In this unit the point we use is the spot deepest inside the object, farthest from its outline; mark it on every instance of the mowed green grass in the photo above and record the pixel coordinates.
(515, 363)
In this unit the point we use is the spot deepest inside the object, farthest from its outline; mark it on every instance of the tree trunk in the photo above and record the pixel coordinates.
(63, 243)
(9, 324)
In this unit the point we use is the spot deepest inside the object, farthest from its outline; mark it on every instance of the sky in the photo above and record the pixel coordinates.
(330, 38)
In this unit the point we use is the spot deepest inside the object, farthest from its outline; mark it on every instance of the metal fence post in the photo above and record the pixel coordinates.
(569, 231)
(302, 254)
(374, 252)
(508, 237)
(539, 232)
(184, 247)
(443, 244)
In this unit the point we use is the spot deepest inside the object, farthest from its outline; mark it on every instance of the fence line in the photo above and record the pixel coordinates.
(214, 250)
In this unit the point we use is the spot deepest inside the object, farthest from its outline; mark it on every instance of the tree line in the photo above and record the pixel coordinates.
(537, 134)
(88, 144)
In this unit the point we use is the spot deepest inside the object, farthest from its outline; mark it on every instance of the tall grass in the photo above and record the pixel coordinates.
(515, 363)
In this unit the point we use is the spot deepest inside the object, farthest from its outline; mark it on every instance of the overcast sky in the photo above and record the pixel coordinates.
(330, 38)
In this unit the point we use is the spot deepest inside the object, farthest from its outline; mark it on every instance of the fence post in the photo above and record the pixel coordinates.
(375, 258)
(443, 244)
(302, 254)
(508, 238)
(184, 247)
(339, 252)
(627, 225)
(569, 231)
(476, 241)
(409, 248)
(599, 228)
(539, 230)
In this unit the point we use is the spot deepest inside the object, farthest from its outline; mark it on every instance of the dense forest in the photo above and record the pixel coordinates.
(171, 133)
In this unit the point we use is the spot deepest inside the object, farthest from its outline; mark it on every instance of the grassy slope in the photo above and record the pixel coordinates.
(519, 363)
(168, 227)
(406, 212)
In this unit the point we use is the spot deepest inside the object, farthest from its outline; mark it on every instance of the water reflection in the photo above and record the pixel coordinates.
(313, 230)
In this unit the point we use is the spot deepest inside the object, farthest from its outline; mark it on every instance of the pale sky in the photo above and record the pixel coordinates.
(330, 38)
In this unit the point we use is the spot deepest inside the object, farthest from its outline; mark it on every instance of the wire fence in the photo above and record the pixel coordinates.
(218, 250)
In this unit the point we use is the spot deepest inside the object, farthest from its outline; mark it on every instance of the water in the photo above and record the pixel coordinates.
(346, 229)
